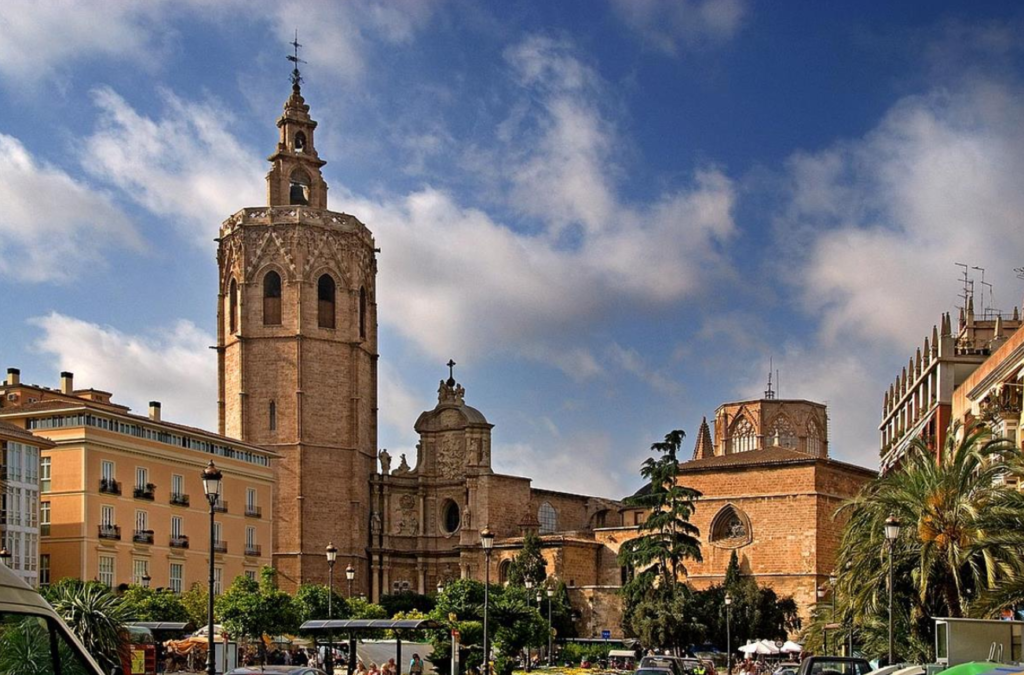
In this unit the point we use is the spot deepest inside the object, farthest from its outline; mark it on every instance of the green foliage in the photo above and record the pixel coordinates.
(733, 574)
(361, 608)
(577, 652)
(528, 563)
(146, 604)
(312, 602)
(412, 614)
(668, 538)
(406, 601)
(250, 609)
(196, 603)
(96, 615)
(960, 547)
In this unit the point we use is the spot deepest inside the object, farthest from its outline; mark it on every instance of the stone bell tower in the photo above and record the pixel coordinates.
(297, 355)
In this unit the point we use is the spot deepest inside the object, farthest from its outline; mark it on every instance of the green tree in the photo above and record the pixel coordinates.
(250, 609)
(196, 603)
(462, 599)
(516, 626)
(147, 604)
(406, 601)
(311, 603)
(528, 563)
(96, 615)
(361, 608)
(960, 542)
(667, 538)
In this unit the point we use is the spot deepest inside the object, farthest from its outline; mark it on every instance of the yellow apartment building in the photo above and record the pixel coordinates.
(122, 495)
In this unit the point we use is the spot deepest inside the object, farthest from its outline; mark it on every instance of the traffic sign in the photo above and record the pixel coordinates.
(606, 635)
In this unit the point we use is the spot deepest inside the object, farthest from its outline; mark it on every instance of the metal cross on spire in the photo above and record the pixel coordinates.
(294, 58)
(451, 372)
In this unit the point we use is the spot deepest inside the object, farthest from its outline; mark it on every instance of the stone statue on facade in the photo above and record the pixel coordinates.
(385, 461)
(403, 466)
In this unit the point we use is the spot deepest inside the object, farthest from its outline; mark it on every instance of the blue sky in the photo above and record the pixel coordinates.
(610, 214)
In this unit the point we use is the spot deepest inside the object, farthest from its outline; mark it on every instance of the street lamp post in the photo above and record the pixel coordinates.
(528, 582)
(824, 629)
(832, 587)
(350, 574)
(332, 557)
(551, 651)
(211, 486)
(146, 579)
(892, 532)
(487, 541)
(728, 633)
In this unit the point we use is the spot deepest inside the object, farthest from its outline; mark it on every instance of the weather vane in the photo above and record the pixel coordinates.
(294, 58)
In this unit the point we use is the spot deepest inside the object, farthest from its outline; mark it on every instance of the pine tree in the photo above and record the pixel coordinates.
(732, 572)
(528, 563)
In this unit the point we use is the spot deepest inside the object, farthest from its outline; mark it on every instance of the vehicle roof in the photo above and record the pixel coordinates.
(16, 595)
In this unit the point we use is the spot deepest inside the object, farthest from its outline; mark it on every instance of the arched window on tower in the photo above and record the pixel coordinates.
(233, 307)
(815, 447)
(781, 433)
(299, 191)
(548, 518)
(273, 416)
(362, 313)
(744, 437)
(272, 299)
(325, 292)
(300, 142)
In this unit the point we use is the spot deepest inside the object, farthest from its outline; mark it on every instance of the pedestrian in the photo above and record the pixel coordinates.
(416, 665)
(374, 670)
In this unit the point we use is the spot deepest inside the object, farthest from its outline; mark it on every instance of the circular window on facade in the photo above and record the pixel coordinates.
(451, 517)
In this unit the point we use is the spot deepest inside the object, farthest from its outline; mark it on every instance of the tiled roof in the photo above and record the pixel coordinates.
(773, 456)
(13, 431)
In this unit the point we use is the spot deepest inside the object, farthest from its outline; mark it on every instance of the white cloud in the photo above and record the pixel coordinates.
(885, 218)
(52, 226)
(186, 166)
(561, 469)
(173, 364)
(673, 26)
(633, 363)
(399, 403)
(40, 40)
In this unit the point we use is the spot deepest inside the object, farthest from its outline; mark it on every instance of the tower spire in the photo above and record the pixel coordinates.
(769, 393)
(296, 76)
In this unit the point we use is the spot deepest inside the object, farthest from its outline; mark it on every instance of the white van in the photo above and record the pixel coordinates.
(33, 639)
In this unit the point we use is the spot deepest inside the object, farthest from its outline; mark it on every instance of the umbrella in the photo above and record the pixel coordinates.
(756, 648)
(791, 648)
(770, 646)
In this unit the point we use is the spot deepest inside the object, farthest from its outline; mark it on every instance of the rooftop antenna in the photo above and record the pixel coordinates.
(983, 285)
(778, 383)
(965, 293)
(769, 394)
(294, 58)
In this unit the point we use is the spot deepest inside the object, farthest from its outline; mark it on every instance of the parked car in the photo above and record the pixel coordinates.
(786, 668)
(28, 625)
(653, 670)
(834, 665)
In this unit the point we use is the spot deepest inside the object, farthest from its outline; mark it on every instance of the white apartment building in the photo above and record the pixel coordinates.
(22, 475)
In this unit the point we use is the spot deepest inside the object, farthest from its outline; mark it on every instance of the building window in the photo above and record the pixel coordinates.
(176, 527)
(177, 485)
(141, 521)
(325, 292)
(233, 307)
(44, 474)
(814, 445)
(451, 518)
(141, 477)
(107, 515)
(250, 538)
(218, 579)
(272, 299)
(216, 534)
(16, 507)
(504, 567)
(273, 416)
(44, 518)
(781, 433)
(730, 528)
(44, 570)
(548, 518)
(106, 570)
(250, 574)
(251, 503)
(107, 471)
(140, 568)
(362, 313)
(744, 437)
(175, 577)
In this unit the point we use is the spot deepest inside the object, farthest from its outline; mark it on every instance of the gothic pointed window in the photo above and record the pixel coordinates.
(233, 307)
(299, 191)
(325, 292)
(782, 433)
(814, 445)
(730, 528)
(362, 313)
(744, 436)
(272, 299)
(300, 142)
(548, 518)
(273, 416)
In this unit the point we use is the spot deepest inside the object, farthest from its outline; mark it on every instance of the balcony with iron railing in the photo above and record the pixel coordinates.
(253, 550)
(253, 511)
(110, 531)
(147, 491)
(109, 486)
(220, 547)
(220, 506)
(143, 537)
(179, 499)
(180, 541)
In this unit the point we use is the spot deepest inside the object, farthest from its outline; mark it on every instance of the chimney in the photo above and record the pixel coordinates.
(154, 411)
(13, 377)
(67, 382)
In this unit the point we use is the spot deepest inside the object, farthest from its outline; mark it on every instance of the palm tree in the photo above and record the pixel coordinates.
(961, 533)
(97, 616)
